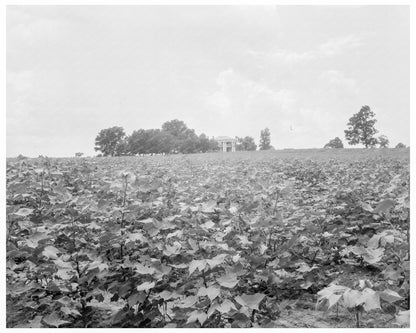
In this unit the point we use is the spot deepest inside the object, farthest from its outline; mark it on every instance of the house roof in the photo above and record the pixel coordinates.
(224, 138)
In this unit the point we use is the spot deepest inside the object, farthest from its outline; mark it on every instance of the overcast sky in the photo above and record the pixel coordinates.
(301, 71)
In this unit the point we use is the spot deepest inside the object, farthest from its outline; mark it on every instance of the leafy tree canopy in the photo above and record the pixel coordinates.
(360, 128)
(246, 143)
(265, 139)
(109, 140)
(174, 137)
(383, 141)
(400, 145)
(335, 143)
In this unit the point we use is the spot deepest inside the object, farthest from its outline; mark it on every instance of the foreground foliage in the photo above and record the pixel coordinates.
(219, 240)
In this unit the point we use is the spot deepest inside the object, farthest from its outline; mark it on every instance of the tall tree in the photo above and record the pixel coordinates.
(149, 141)
(265, 139)
(203, 143)
(213, 145)
(400, 145)
(246, 143)
(108, 140)
(335, 143)
(122, 147)
(136, 142)
(175, 127)
(185, 140)
(361, 128)
(383, 141)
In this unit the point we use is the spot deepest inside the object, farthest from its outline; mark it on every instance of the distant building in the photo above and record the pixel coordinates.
(226, 143)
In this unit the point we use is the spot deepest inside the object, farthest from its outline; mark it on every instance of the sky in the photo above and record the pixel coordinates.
(301, 71)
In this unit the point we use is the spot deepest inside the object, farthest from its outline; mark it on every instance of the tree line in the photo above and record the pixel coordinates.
(173, 137)
(176, 137)
(361, 130)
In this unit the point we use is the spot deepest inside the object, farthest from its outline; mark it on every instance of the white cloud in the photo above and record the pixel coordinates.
(24, 27)
(336, 46)
(238, 94)
(73, 70)
(332, 47)
(20, 82)
(285, 56)
(337, 82)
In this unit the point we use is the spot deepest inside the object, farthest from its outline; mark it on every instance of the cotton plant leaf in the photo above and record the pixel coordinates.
(390, 296)
(212, 292)
(145, 286)
(228, 280)
(251, 301)
(54, 320)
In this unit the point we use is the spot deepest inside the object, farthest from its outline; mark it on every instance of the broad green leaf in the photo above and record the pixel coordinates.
(34, 323)
(391, 273)
(390, 296)
(160, 270)
(403, 318)
(373, 256)
(332, 289)
(373, 242)
(167, 295)
(233, 208)
(217, 260)
(174, 249)
(226, 306)
(306, 284)
(177, 233)
(250, 301)
(145, 286)
(186, 302)
(21, 288)
(54, 320)
(304, 267)
(282, 273)
(70, 311)
(24, 212)
(35, 238)
(136, 298)
(208, 225)
(197, 315)
(179, 266)
(384, 206)
(141, 269)
(197, 264)
(106, 304)
(147, 221)
(244, 240)
(333, 299)
(366, 207)
(51, 252)
(387, 239)
(262, 248)
(237, 269)
(65, 273)
(352, 298)
(209, 207)
(137, 236)
(102, 266)
(370, 298)
(212, 292)
(228, 280)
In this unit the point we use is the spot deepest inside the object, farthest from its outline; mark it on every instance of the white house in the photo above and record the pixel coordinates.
(226, 143)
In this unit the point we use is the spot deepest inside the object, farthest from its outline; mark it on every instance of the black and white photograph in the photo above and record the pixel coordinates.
(207, 165)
